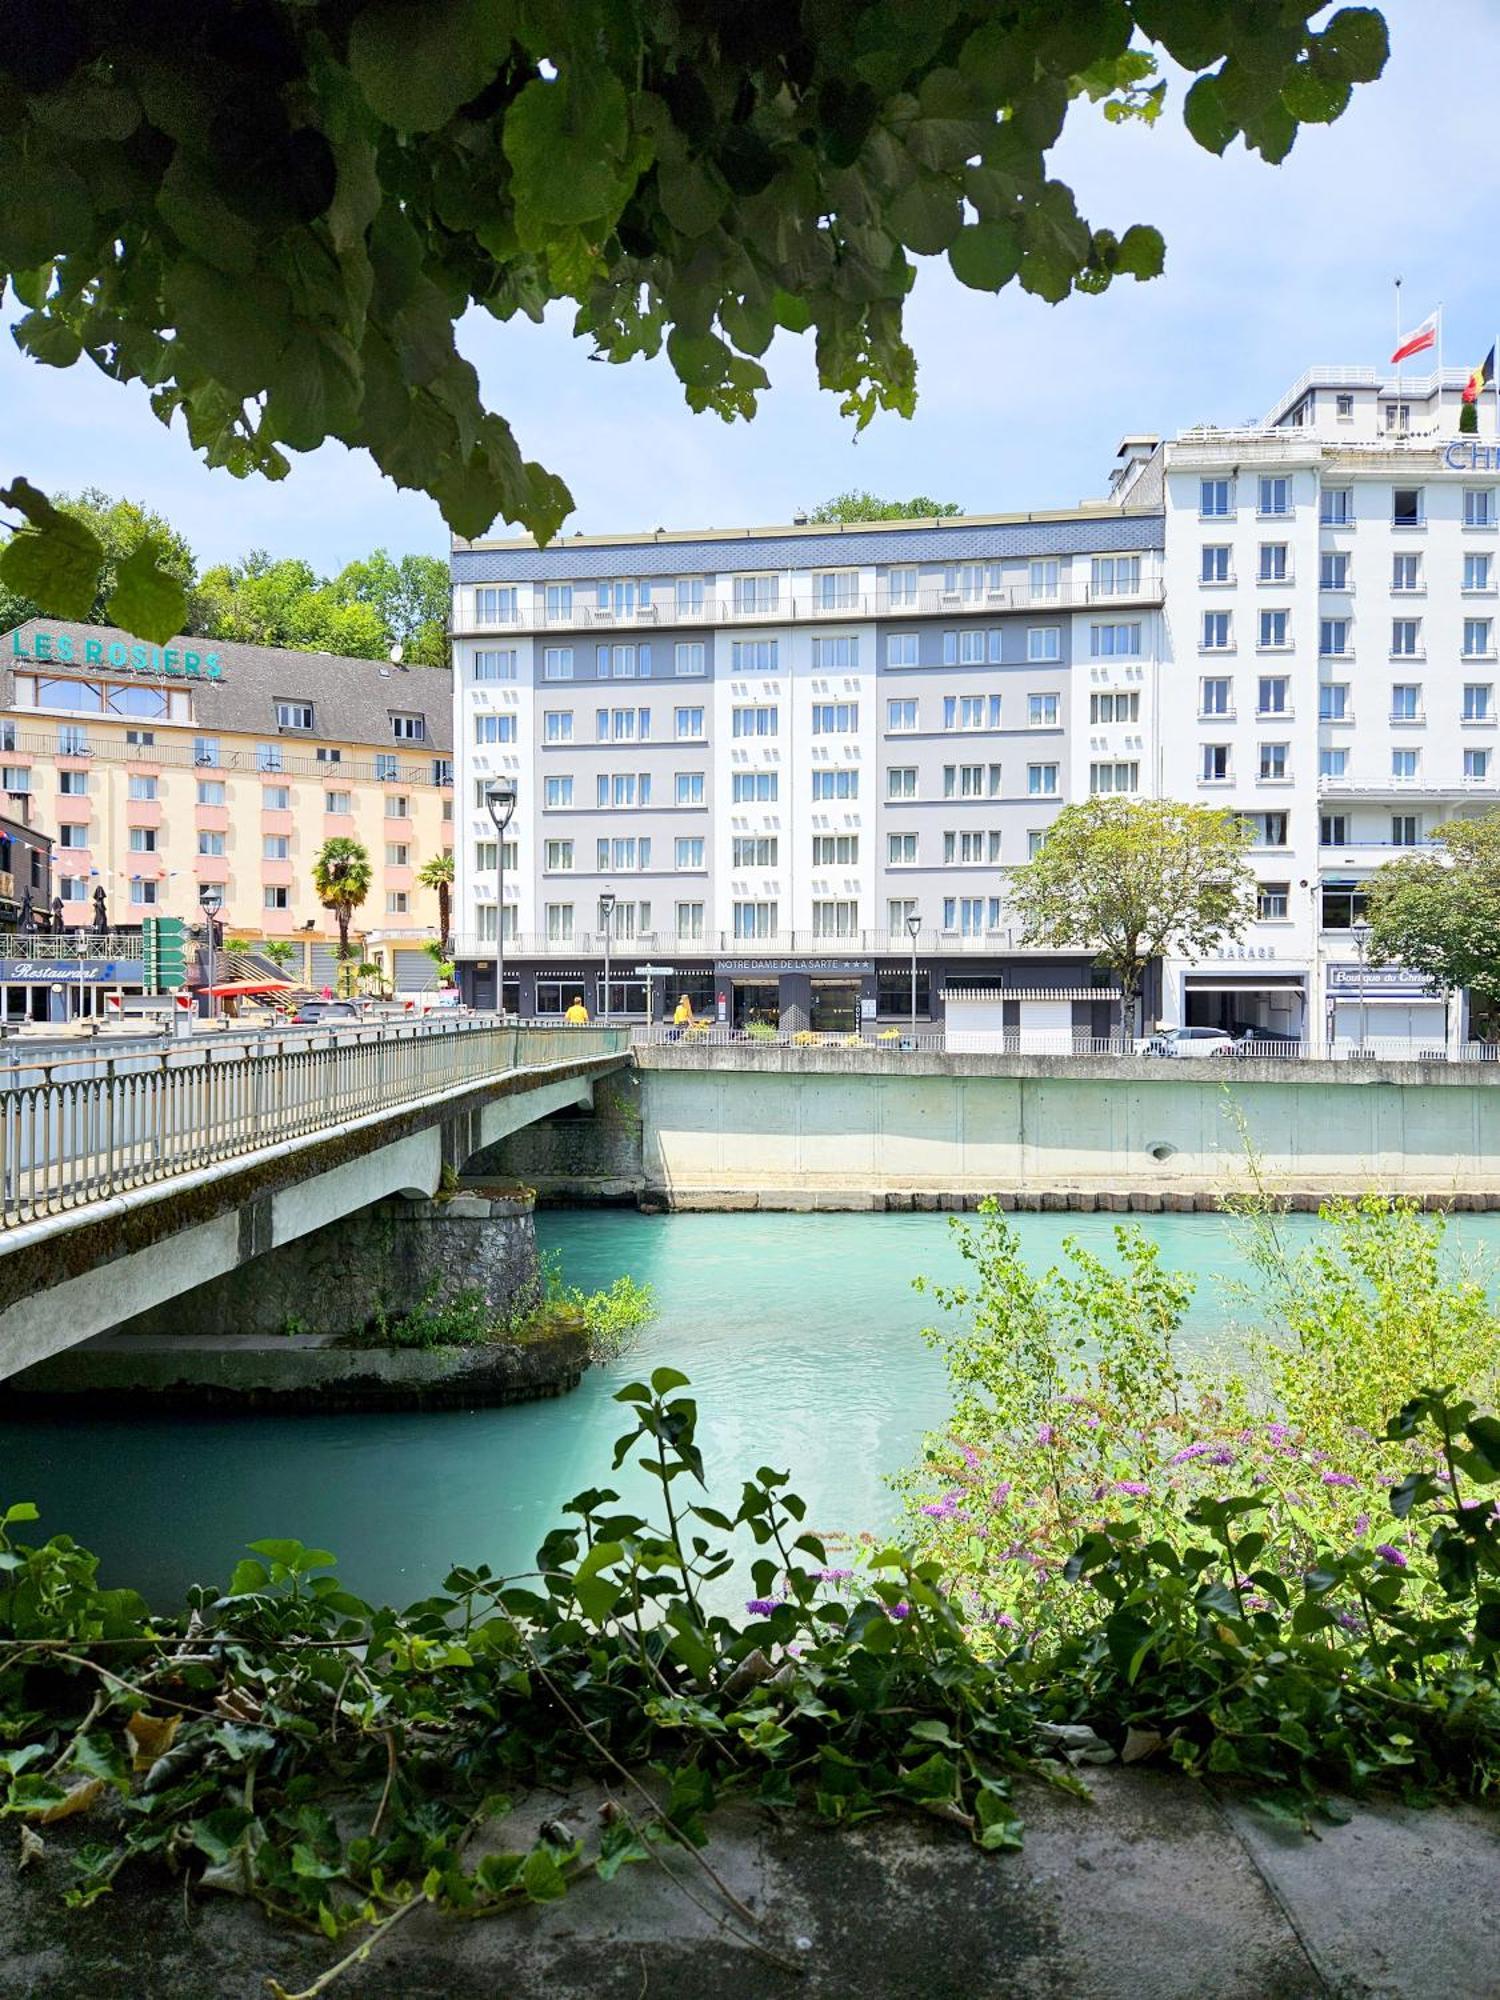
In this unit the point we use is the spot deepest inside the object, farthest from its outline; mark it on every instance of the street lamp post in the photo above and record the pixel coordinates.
(500, 797)
(211, 901)
(913, 930)
(1361, 943)
(607, 901)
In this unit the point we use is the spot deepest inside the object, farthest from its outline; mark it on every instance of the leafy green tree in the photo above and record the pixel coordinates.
(342, 876)
(122, 528)
(412, 596)
(437, 873)
(285, 603)
(1439, 913)
(691, 177)
(858, 505)
(279, 951)
(1132, 879)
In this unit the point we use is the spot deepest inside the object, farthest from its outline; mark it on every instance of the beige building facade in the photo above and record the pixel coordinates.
(159, 771)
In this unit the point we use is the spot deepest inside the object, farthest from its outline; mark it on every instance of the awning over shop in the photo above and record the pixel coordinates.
(244, 989)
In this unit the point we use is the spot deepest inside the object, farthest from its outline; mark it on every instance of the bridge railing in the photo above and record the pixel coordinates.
(85, 1129)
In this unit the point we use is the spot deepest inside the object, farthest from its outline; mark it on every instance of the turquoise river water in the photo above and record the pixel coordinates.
(801, 1334)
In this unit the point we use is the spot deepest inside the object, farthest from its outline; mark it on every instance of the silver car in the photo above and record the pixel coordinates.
(1191, 1042)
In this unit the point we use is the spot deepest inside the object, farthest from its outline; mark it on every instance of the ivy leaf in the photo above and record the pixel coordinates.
(55, 560)
(597, 1595)
(147, 599)
(542, 1881)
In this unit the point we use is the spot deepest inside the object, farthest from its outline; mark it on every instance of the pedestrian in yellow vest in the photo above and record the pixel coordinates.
(577, 1015)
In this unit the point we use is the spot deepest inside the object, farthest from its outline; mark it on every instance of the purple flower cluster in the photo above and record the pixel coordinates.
(1136, 1486)
(1393, 1556)
(1190, 1451)
(762, 1607)
(834, 1575)
(1339, 1479)
(1045, 1434)
(898, 1611)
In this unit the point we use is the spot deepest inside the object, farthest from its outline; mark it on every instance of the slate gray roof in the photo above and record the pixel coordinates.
(957, 540)
(353, 700)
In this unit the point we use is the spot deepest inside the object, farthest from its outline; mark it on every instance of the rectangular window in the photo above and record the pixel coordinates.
(1406, 701)
(1116, 576)
(73, 888)
(1043, 643)
(687, 724)
(1044, 577)
(1216, 765)
(754, 656)
(278, 847)
(690, 596)
(557, 856)
(971, 648)
(1271, 902)
(1405, 638)
(622, 725)
(901, 782)
(74, 784)
(1336, 506)
(409, 728)
(386, 767)
(1333, 638)
(971, 711)
(1120, 706)
(494, 729)
(205, 750)
(557, 725)
(835, 784)
(15, 778)
(688, 920)
(273, 798)
(689, 659)
(623, 663)
(901, 586)
(1275, 497)
(1479, 507)
(1333, 763)
(1406, 829)
(757, 721)
(73, 740)
(142, 839)
(1406, 574)
(1273, 695)
(835, 850)
(842, 653)
(901, 850)
(1478, 701)
(78, 836)
(1275, 630)
(397, 805)
(1476, 767)
(1333, 702)
(835, 718)
(900, 717)
(1041, 780)
(142, 786)
(294, 715)
(1214, 498)
(1478, 644)
(557, 663)
(755, 920)
(1113, 777)
(1273, 563)
(1406, 506)
(397, 854)
(1115, 641)
(1343, 406)
(333, 802)
(494, 605)
(901, 649)
(1267, 829)
(143, 892)
(755, 851)
(268, 757)
(1273, 761)
(558, 602)
(897, 910)
(1333, 570)
(754, 788)
(1215, 696)
(756, 593)
(211, 791)
(835, 590)
(495, 666)
(326, 756)
(1333, 830)
(559, 920)
(1041, 711)
(1214, 563)
(971, 916)
(1216, 632)
(397, 902)
(688, 788)
(1477, 572)
(557, 792)
(1404, 763)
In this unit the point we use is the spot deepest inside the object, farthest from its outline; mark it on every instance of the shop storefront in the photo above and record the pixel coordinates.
(1371, 1004)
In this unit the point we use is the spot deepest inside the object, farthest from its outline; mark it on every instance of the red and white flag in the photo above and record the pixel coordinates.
(1420, 338)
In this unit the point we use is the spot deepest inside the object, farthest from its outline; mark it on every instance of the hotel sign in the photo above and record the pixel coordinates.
(773, 967)
(60, 649)
(1467, 456)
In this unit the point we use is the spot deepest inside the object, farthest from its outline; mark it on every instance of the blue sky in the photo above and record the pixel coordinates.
(1268, 270)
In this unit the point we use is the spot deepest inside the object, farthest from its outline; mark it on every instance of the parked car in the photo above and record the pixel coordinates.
(324, 1013)
(1253, 1041)
(1191, 1042)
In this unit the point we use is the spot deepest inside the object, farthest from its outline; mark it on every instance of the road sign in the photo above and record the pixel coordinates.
(164, 950)
(654, 971)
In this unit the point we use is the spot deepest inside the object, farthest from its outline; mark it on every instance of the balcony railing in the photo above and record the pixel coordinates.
(664, 946)
(73, 944)
(178, 755)
(799, 607)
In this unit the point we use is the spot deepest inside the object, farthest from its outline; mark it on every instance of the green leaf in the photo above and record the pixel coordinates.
(48, 339)
(932, 1781)
(565, 141)
(985, 255)
(1204, 115)
(147, 599)
(1356, 43)
(597, 1595)
(416, 65)
(692, 196)
(541, 1878)
(56, 561)
(1142, 252)
(22, 1510)
(618, 1844)
(926, 216)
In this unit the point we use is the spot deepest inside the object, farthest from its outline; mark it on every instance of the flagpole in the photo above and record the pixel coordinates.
(1440, 366)
(1396, 348)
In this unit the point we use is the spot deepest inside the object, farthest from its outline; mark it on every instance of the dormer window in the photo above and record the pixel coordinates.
(294, 715)
(409, 728)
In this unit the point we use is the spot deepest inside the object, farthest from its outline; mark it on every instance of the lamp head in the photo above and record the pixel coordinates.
(607, 901)
(210, 899)
(500, 797)
(913, 925)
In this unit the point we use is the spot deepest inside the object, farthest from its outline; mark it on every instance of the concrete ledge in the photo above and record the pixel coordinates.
(302, 1372)
(1112, 1200)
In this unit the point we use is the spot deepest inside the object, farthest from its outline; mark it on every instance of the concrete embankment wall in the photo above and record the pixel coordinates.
(783, 1126)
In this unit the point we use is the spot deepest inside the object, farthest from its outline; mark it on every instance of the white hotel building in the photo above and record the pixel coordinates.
(774, 747)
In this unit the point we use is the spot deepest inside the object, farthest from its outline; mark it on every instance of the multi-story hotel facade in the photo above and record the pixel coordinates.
(159, 771)
(780, 749)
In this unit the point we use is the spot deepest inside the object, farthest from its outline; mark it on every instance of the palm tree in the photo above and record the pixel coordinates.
(341, 876)
(438, 874)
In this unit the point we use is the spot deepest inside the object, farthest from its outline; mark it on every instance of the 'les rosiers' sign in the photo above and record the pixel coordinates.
(60, 649)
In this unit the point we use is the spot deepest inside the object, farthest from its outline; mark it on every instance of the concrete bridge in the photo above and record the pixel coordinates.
(132, 1180)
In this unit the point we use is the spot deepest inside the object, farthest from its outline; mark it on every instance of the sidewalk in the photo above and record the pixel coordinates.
(1160, 1892)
